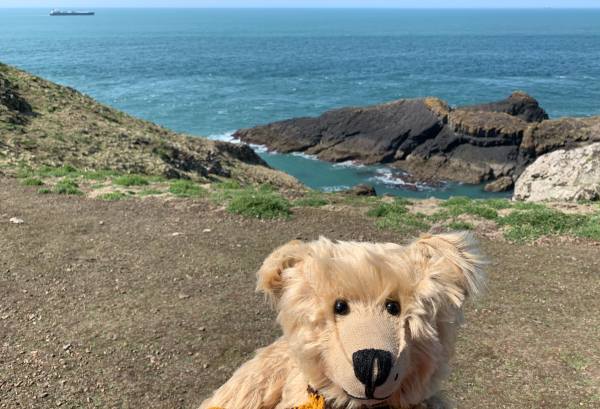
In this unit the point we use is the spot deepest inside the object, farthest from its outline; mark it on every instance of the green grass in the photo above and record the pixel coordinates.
(100, 174)
(67, 187)
(32, 182)
(524, 222)
(396, 216)
(529, 206)
(260, 204)
(408, 223)
(312, 200)
(61, 171)
(537, 221)
(150, 192)
(456, 206)
(113, 196)
(398, 207)
(460, 225)
(186, 188)
(590, 229)
(44, 191)
(131, 180)
(575, 361)
(228, 185)
(497, 204)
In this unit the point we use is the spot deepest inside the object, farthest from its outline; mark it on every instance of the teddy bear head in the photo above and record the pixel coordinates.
(368, 323)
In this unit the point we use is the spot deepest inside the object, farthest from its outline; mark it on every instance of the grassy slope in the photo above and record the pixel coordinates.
(66, 127)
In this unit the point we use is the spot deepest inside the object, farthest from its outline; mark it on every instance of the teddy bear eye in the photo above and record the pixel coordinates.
(392, 307)
(341, 307)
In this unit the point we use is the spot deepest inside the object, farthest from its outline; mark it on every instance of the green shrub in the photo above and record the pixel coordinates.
(186, 188)
(131, 180)
(113, 196)
(260, 204)
(67, 187)
(32, 182)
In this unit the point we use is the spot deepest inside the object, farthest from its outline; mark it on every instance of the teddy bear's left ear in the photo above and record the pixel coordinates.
(451, 268)
(269, 276)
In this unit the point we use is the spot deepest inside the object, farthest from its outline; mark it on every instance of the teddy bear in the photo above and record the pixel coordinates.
(365, 325)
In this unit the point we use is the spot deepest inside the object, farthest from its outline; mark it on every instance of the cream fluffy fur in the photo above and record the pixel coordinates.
(430, 279)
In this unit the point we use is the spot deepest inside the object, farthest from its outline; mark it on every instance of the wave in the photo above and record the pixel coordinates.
(394, 179)
(224, 137)
(304, 155)
(228, 137)
(260, 148)
(349, 164)
(331, 189)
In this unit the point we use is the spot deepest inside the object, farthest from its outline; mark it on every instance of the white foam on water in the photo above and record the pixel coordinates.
(228, 137)
(260, 148)
(391, 178)
(331, 189)
(349, 164)
(225, 137)
(387, 177)
(304, 155)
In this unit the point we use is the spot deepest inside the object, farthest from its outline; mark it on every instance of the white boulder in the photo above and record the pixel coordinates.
(562, 175)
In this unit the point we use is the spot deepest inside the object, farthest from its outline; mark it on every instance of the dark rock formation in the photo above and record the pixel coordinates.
(519, 104)
(430, 140)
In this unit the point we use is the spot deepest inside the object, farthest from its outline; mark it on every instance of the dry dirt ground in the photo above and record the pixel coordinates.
(150, 304)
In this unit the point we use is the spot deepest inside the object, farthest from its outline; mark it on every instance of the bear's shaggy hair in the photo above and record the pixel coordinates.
(429, 280)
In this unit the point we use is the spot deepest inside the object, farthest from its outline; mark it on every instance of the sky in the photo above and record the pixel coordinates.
(305, 3)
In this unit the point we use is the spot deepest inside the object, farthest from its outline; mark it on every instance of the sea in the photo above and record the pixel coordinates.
(208, 72)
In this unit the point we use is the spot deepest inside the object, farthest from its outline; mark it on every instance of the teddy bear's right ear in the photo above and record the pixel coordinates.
(269, 276)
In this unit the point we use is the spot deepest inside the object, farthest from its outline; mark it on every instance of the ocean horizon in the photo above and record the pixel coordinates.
(211, 71)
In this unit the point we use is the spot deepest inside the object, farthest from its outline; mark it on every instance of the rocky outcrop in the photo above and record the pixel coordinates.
(42, 123)
(504, 184)
(432, 141)
(424, 137)
(361, 190)
(560, 133)
(562, 175)
(519, 105)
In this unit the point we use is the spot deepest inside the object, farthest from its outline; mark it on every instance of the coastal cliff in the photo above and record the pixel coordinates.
(46, 124)
(431, 140)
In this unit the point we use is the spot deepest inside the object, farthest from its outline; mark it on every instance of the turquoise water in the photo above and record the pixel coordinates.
(209, 72)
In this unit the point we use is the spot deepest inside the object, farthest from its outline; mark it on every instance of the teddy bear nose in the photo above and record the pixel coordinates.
(372, 367)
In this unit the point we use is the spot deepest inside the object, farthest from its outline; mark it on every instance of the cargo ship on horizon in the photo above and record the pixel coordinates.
(71, 13)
